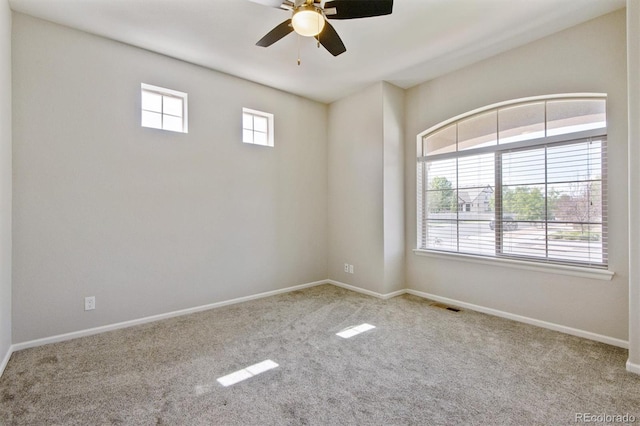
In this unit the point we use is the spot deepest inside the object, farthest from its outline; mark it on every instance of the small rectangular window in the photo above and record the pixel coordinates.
(569, 116)
(478, 131)
(440, 142)
(521, 122)
(257, 127)
(162, 108)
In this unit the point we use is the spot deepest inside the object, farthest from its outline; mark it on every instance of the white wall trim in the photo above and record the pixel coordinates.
(551, 268)
(633, 368)
(125, 324)
(633, 100)
(5, 360)
(367, 292)
(532, 321)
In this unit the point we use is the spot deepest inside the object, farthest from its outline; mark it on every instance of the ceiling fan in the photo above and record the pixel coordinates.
(309, 19)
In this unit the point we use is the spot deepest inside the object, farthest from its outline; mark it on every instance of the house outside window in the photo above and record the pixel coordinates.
(523, 180)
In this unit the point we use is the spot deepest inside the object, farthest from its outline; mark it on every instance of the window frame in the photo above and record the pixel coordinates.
(165, 93)
(269, 134)
(591, 270)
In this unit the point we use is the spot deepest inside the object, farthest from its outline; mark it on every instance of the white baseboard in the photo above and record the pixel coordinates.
(544, 324)
(633, 368)
(125, 324)
(5, 360)
(367, 292)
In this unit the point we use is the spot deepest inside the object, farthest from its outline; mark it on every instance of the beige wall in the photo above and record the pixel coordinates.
(5, 180)
(366, 188)
(149, 221)
(393, 184)
(356, 231)
(587, 58)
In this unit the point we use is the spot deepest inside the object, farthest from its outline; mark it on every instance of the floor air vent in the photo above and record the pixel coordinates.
(443, 306)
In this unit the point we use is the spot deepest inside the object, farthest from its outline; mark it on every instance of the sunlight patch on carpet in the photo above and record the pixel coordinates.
(246, 373)
(355, 330)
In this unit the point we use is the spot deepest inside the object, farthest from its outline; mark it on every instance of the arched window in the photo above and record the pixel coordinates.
(524, 179)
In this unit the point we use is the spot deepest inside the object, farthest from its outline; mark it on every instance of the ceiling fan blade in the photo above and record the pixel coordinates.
(275, 34)
(268, 3)
(331, 41)
(352, 9)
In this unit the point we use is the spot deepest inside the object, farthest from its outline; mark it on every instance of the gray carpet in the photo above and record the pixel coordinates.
(420, 365)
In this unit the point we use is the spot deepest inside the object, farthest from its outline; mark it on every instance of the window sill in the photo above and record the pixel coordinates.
(576, 271)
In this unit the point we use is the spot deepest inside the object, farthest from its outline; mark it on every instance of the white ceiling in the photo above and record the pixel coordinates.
(419, 41)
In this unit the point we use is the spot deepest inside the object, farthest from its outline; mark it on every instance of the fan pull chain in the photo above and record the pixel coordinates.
(299, 62)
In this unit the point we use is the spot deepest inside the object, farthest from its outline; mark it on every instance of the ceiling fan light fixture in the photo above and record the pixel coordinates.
(307, 21)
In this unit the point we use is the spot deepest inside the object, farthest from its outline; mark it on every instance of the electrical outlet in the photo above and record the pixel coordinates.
(346, 267)
(89, 303)
(351, 269)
